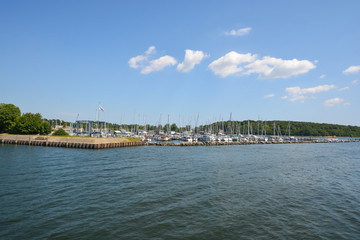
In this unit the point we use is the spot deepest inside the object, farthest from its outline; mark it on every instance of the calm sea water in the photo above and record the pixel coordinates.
(298, 191)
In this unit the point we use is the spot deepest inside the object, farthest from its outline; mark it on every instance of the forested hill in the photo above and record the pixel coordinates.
(282, 128)
(322, 129)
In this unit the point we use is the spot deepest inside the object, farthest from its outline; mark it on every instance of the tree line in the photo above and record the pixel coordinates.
(12, 121)
(283, 128)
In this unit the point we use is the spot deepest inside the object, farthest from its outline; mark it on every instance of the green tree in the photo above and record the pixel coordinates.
(9, 114)
(30, 123)
(60, 132)
(166, 127)
(174, 128)
(45, 128)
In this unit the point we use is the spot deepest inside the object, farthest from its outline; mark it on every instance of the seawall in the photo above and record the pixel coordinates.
(67, 142)
(185, 144)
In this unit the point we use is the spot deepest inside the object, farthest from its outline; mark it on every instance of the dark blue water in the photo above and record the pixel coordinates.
(294, 191)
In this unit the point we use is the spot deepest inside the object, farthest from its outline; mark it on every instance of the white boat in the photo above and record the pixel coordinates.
(187, 139)
(206, 138)
(161, 137)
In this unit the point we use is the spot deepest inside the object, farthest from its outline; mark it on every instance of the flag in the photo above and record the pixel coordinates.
(101, 108)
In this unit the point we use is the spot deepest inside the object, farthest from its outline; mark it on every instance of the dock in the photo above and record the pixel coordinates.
(69, 142)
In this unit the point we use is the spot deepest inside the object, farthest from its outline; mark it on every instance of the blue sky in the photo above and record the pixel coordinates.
(273, 60)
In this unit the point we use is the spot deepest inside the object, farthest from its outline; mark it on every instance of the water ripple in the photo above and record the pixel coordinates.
(306, 191)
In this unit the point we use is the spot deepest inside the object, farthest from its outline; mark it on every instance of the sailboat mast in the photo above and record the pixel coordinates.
(274, 128)
(248, 127)
(289, 129)
(169, 124)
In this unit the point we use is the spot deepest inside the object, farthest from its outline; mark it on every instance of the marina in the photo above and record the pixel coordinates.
(182, 120)
(116, 142)
(247, 143)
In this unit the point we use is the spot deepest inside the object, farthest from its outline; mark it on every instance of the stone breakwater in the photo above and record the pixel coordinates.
(68, 142)
(184, 144)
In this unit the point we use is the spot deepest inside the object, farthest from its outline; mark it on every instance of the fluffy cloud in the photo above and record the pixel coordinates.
(191, 59)
(159, 64)
(267, 67)
(142, 61)
(323, 76)
(150, 50)
(228, 64)
(239, 32)
(135, 61)
(352, 69)
(344, 88)
(269, 95)
(354, 82)
(138, 61)
(297, 93)
(334, 101)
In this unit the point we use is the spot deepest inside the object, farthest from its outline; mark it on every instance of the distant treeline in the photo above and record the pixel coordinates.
(12, 121)
(283, 128)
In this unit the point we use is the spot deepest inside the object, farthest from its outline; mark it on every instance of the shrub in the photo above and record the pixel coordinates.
(60, 132)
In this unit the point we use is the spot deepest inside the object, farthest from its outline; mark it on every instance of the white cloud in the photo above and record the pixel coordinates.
(352, 69)
(322, 76)
(285, 97)
(228, 64)
(142, 61)
(346, 104)
(269, 95)
(269, 67)
(344, 88)
(239, 32)
(332, 102)
(134, 62)
(191, 59)
(297, 93)
(159, 64)
(150, 50)
(313, 90)
(295, 98)
(354, 82)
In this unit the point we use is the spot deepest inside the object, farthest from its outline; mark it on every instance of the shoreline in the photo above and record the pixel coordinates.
(103, 143)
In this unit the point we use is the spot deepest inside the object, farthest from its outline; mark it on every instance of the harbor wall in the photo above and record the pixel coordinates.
(103, 143)
(68, 142)
(184, 144)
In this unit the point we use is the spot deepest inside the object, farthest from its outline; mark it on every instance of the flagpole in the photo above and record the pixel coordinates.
(99, 108)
